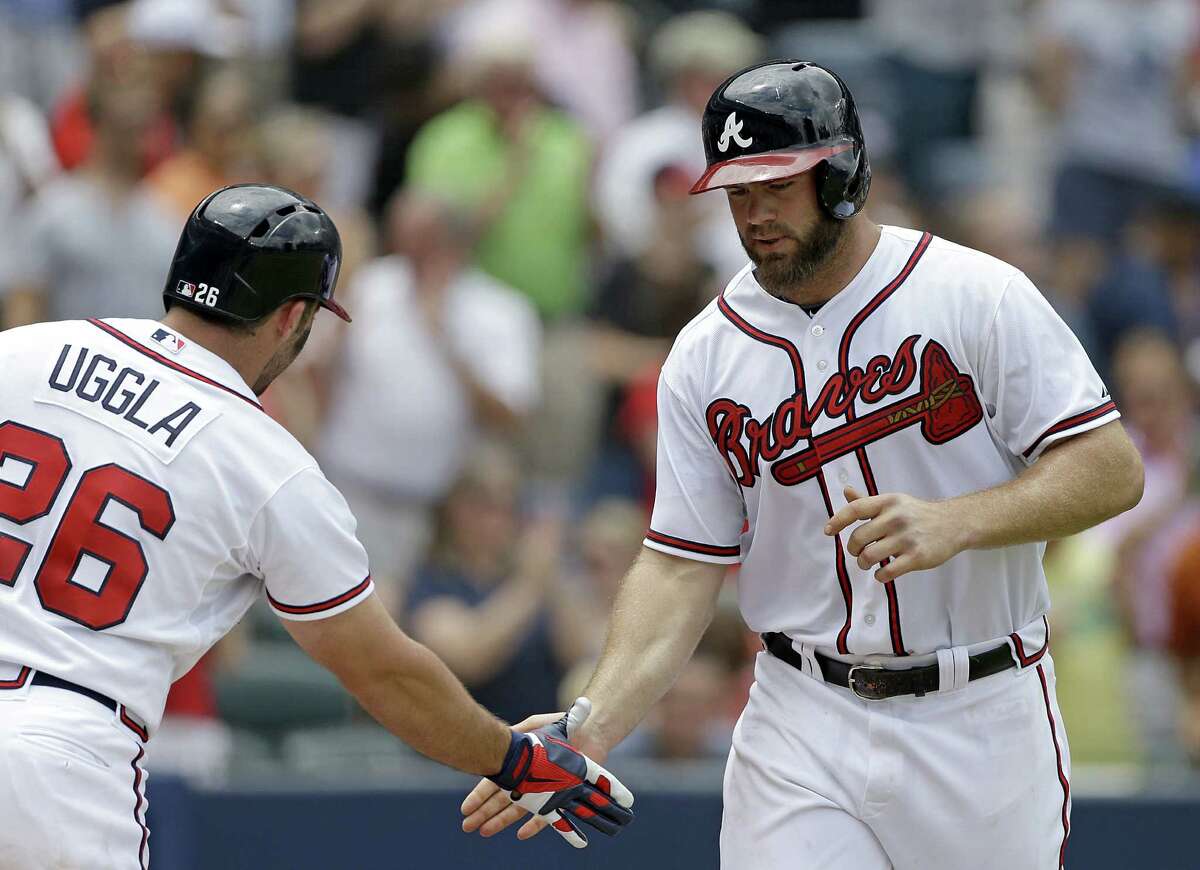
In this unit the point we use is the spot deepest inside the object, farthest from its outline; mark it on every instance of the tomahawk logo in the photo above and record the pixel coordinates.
(733, 131)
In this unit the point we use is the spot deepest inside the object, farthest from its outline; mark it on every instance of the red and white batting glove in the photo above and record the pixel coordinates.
(550, 778)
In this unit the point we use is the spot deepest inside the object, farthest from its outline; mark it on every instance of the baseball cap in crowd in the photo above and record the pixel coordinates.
(189, 25)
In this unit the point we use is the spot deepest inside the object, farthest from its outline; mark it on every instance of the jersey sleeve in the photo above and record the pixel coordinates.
(698, 508)
(313, 565)
(1035, 377)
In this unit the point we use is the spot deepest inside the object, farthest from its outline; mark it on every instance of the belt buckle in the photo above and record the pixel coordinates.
(867, 687)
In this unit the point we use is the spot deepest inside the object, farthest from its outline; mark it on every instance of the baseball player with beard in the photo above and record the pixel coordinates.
(146, 501)
(882, 428)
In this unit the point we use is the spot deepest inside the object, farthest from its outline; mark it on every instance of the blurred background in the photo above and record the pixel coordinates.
(510, 180)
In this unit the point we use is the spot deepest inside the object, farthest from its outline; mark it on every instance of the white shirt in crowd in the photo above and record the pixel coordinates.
(401, 419)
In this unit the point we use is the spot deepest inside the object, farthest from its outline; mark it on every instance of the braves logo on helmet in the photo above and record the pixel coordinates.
(733, 132)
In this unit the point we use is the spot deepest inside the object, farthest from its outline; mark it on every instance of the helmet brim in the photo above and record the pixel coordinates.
(336, 309)
(768, 166)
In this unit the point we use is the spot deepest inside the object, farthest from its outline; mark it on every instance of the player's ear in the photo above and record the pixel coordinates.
(290, 315)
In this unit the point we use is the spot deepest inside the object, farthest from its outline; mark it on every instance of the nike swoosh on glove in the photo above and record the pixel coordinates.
(552, 779)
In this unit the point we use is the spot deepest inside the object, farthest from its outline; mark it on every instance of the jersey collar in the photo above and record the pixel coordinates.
(182, 354)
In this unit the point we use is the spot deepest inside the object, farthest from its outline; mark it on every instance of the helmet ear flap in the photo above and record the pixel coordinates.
(844, 182)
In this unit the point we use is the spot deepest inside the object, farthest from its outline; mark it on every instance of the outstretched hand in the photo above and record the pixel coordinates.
(900, 533)
(550, 778)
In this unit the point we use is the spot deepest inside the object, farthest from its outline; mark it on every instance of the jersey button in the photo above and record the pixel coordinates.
(869, 619)
(818, 330)
(822, 365)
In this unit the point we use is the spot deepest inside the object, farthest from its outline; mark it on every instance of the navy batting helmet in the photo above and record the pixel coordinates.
(247, 249)
(782, 118)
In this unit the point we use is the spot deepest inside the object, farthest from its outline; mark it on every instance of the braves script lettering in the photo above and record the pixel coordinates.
(945, 407)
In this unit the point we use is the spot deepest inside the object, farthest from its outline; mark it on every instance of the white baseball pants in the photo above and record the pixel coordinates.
(72, 788)
(819, 779)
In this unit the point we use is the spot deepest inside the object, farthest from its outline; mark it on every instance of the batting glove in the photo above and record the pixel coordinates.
(550, 778)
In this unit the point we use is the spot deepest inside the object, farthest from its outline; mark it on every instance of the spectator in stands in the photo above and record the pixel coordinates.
(294, 146)
(520, 170)
(219, 149)
(94, 243)
(642, 304)
(440, 353)
(1185, 640)
(1154, 278)
(40, 49)
(581, 59)
(690, 55)
(1156, 399)
(1113, 74)
(491, 602)
(937, 52)
(27, 163)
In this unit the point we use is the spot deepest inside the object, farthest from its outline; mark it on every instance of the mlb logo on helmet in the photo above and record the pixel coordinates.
(186, 288)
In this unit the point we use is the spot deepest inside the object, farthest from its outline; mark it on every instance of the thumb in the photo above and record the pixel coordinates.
(576, 716)
(851, 494)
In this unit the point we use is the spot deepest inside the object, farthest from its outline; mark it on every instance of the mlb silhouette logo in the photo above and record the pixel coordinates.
(186, 288)
(169, 340)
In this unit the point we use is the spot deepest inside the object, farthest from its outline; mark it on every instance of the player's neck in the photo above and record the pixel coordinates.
(858, 242)
(240, 350)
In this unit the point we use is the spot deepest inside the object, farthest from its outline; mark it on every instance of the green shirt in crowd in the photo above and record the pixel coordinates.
(538, 243)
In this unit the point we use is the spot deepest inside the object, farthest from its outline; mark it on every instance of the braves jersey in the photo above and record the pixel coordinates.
(146, 501)
(937, 371)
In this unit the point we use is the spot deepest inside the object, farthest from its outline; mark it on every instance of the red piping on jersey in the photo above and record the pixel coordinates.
(766, 338)
(1070, 422)
(864, 464)
(691, 546)
(1062, 776)
(840, 563)
(327, 604)
(171, 364)
(1025, 660)
(798, 374)
(137, 781)
(19, 681)
(129, 722)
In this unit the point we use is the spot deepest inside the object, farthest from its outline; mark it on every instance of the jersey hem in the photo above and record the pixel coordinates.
(323, 609)
(1073, 425)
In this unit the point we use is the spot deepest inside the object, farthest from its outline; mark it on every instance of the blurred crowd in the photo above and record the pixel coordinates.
(510, 181)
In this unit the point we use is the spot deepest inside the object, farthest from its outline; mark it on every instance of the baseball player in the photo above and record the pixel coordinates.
(881, 427)
(146, 501)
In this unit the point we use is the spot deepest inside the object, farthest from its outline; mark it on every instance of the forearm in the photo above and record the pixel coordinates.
(1074, 485)
(661, 610)
(422, 703)
(405, 687)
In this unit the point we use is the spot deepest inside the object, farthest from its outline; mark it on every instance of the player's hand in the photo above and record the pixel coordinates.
(489, 809)
(561, 786)
(901, 533)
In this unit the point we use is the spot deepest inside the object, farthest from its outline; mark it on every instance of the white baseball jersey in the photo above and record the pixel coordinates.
(145, 501)
(937, 371)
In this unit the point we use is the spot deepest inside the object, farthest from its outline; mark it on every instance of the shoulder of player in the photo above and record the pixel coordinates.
(949, 266)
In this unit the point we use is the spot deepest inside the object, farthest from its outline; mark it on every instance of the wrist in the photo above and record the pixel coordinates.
(516, 762)
(963, 518)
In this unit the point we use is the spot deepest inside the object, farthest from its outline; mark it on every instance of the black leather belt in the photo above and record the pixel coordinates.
(875, 683)
(43, 679)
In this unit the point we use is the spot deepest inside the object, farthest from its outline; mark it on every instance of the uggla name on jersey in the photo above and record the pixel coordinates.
(121, 390)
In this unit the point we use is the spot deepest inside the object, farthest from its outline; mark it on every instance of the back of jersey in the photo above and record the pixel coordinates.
(138, 506)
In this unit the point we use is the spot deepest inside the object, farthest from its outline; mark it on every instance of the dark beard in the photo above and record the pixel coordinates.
(781, 274)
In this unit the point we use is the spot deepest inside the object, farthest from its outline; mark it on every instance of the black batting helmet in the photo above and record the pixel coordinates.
(782, 118)
(247, 249)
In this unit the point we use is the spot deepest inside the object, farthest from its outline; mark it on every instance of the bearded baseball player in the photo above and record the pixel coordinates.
(146, 501)
(881, 428)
